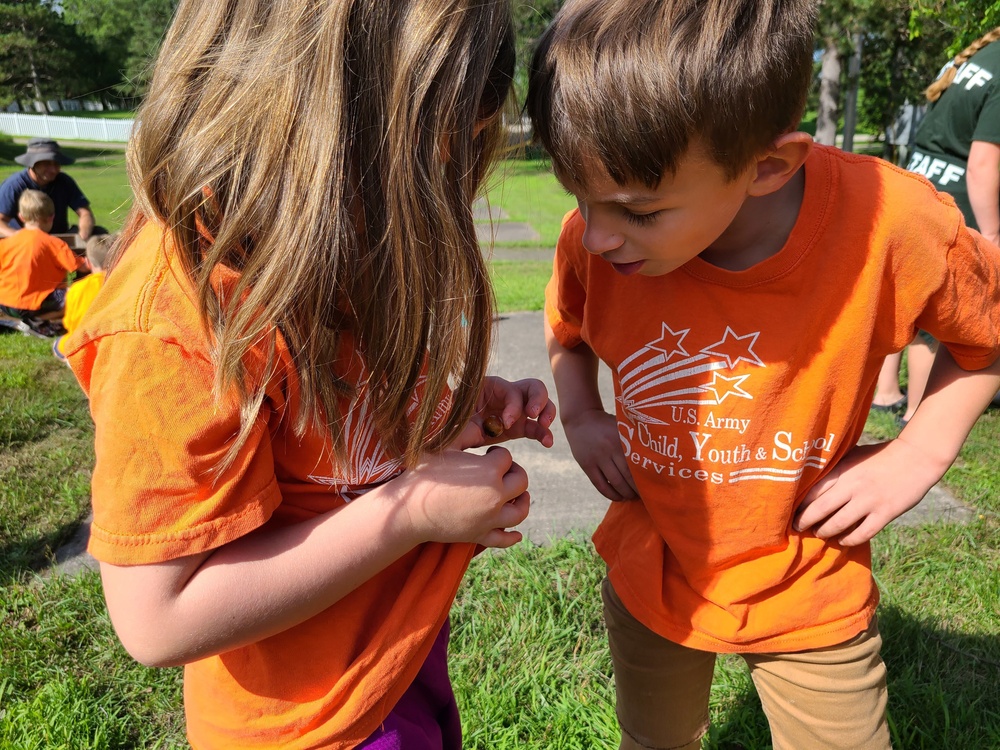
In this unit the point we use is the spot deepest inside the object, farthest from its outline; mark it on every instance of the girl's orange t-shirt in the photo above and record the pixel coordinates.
(737, 391)
(143, 358)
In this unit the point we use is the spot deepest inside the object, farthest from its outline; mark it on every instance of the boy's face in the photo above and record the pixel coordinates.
(651, 232)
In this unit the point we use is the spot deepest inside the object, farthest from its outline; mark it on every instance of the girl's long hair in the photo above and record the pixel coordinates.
(327, 151)
(934, 91)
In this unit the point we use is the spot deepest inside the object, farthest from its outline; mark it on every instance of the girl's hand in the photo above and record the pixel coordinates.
(523, 409)
(456, 496)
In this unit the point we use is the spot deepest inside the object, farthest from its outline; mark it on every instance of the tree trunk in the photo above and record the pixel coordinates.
(36, 86)
(829, 95)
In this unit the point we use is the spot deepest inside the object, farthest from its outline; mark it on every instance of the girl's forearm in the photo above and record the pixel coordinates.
(259, 585)
(983, 182)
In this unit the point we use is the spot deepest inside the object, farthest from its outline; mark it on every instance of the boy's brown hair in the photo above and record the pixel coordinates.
(35, 206)
(632, 82)
(98, 248)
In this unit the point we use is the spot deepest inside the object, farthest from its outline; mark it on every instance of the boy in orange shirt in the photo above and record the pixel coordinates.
(744, 286)
(33, 267)
(82, 293)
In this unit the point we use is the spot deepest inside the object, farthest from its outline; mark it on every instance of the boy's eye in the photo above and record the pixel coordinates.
(641, 220)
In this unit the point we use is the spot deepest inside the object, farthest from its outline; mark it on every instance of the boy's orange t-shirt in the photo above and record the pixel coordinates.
(79, 297)
(33, 264)
(143, 358)
(737, 391)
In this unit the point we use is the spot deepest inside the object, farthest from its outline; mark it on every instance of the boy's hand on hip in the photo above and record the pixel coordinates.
(871, 486)
(597, 447)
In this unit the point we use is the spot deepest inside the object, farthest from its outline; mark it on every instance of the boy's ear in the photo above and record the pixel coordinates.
(788, 153)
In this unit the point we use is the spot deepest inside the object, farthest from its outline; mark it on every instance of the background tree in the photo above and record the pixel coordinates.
(127, 34)
(41, 56)
(904, 45)
(531, 17)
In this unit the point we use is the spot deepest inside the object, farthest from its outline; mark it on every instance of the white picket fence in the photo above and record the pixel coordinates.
(66, 128)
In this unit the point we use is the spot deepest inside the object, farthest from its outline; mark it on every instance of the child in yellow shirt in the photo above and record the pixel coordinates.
(82, 292)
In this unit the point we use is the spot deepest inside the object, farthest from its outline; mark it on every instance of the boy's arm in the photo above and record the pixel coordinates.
(6, 230)
(592, 433)
(877, 483)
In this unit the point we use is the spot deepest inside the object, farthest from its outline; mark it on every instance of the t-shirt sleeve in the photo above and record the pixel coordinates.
(66, 258)
(566, 292)
(157, 489)
(75, 198)
(988, 124)
(963, 312)
(9, 194)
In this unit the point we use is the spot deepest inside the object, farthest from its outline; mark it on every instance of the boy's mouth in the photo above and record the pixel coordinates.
(627, 269)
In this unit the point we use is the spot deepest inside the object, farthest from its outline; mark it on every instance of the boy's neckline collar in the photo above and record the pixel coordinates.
(811, 214)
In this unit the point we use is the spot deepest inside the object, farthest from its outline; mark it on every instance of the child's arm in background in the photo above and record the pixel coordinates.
(983, 182)
(592, 432)
(274, 578)
(875, 484)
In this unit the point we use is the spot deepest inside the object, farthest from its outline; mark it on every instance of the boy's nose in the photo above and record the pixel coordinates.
(599, 239)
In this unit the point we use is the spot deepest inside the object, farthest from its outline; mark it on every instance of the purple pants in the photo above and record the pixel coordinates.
(426, 717)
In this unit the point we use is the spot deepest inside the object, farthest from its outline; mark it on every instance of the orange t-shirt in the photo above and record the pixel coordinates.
(78, 300)
(33, 264)
(144, 360)
(737, 391)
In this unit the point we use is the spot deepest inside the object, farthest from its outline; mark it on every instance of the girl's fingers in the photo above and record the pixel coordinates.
(511, 514)
(500, 538)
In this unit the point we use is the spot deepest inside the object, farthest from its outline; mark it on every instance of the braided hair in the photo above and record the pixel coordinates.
(934, 91)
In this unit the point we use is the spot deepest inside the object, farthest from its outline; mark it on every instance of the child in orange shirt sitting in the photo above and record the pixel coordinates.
(33, 267)
(744, 286)
(82, 293)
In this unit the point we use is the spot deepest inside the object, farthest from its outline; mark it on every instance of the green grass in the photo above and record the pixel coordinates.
(114, 114)
(520, 285)
(528, 192)
(529, 659)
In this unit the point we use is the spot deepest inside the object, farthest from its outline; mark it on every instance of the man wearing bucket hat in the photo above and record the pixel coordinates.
(43, 161)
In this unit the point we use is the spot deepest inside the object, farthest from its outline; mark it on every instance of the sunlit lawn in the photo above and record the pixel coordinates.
(529, 659)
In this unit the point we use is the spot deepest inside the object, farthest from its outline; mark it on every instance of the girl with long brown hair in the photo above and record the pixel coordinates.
(288, 360)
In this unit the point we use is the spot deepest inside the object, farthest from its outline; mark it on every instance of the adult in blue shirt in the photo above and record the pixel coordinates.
(44, 162)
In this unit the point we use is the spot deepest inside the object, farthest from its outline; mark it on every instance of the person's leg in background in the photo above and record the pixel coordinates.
(919, 359)
(888, 395)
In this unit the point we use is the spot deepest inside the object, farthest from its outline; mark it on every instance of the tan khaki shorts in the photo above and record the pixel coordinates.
(825, 699)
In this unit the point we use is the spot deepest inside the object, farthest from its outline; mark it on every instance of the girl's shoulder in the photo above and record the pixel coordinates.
(148, 294)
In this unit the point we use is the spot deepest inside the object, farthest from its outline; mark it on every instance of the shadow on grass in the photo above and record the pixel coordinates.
(34, 553)
(943, 691)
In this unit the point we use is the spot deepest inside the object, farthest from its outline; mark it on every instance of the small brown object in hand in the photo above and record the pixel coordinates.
(492, 426)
